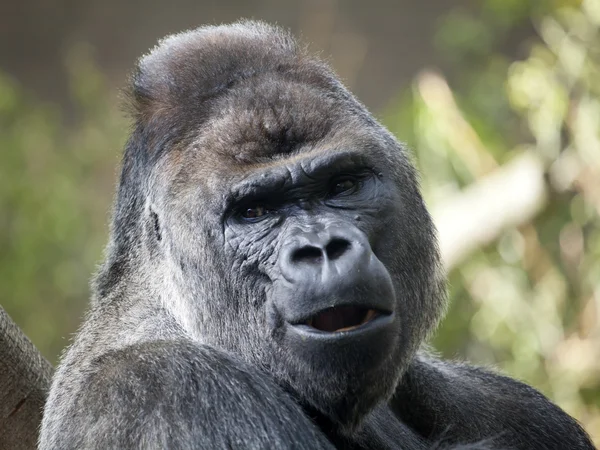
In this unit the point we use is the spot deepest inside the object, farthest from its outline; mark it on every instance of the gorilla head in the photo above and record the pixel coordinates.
(280, 221)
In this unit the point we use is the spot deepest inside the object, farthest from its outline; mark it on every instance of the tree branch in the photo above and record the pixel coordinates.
(24, 379)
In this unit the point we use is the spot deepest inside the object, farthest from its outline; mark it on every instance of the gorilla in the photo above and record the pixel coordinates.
(272, 275)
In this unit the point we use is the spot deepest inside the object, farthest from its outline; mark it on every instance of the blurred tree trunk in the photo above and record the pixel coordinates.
(24, 380)
(508, 197)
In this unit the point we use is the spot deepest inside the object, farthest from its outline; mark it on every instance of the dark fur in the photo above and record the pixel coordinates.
(182, 346)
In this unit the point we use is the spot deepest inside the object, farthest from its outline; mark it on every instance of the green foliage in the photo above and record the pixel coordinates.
(55, 185)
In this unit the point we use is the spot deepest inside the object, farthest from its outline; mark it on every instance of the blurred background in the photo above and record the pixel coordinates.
(499, 101)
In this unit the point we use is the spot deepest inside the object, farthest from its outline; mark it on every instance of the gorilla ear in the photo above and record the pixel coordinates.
(156, 225)
(186, 70)
(153, 227)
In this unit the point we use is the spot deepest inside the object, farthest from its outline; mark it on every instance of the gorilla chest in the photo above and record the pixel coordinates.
(382, 431)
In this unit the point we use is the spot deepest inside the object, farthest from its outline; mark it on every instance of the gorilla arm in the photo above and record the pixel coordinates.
(177, 394)
(456, 403)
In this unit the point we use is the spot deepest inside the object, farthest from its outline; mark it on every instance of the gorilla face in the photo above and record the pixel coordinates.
(323, 252)
(289, 219)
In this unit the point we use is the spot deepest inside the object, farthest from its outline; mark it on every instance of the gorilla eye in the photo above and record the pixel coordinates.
(254, 213)
(345, 185)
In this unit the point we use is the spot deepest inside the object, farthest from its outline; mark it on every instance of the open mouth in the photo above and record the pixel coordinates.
(341, 318)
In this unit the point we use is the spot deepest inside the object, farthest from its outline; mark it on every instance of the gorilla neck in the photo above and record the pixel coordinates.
(140, 277)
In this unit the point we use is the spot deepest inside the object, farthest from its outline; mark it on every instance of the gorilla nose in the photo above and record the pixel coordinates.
(326, 256)
(317, 254)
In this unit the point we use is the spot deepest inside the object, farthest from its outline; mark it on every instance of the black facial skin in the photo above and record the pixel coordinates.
(271, 274)
(325, 274)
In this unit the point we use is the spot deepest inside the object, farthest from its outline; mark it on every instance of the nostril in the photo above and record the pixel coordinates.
(336, 248)
(308, 254)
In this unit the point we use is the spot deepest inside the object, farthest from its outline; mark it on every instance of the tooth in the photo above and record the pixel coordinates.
(370, 314)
